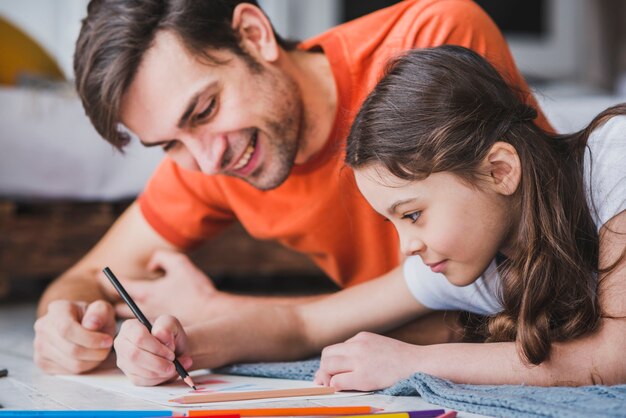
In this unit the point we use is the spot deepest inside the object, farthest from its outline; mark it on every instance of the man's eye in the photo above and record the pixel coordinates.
(206, 112)
(413, 216)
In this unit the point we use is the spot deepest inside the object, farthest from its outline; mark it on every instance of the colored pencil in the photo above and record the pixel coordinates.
(286, 412)
(142, 318)
(253, 394)
(216, 416)
(86, 414)
(426, 413)
(449, 414)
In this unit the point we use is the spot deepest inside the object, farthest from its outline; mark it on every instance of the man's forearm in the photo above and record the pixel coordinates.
(248, 334)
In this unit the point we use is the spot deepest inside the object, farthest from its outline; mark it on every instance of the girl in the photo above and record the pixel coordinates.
(496, 217)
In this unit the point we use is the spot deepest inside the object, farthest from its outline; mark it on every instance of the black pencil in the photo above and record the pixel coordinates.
(142, 318)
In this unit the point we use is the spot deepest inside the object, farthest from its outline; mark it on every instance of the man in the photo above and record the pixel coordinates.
(253, 129)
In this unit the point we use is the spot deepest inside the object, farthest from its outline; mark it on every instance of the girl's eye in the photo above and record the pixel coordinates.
(413, 216)
(206, 112)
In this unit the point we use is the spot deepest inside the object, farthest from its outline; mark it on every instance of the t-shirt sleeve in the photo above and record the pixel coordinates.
(434, 291)
(464, 23)
(605, 170)
(184, 207)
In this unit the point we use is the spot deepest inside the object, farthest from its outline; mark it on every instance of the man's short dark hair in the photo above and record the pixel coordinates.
(116, 34)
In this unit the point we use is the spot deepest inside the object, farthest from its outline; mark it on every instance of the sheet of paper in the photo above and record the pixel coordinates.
(206, 382)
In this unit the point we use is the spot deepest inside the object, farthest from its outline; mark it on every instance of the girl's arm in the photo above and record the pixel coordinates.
(370, 361)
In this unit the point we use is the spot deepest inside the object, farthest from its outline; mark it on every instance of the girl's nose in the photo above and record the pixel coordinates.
(412, 246)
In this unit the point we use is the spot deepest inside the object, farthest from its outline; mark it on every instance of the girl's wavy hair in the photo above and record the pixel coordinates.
(116, 34)
(441, 109)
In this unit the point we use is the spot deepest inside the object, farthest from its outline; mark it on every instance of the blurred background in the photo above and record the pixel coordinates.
(61, 186)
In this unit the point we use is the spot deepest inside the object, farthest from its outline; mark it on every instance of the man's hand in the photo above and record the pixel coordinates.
(183, 291)
(147, 358)
(74, 337)
(366, 362)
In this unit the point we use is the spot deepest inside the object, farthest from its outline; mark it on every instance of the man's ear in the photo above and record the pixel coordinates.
(503, 164)
(255, 32)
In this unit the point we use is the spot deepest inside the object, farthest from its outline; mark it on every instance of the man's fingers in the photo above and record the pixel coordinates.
(64, 308)
(67, 359)
(137, 335)
(98, 315)
(134, 360)
(67, 329)
(92, 348)
(139, 290)
(142, 356)
(169, 331)
(123, 311)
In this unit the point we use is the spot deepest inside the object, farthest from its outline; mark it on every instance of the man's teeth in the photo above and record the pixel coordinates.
(245, 158)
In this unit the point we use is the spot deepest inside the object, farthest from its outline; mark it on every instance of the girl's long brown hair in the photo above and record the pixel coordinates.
(441, 109)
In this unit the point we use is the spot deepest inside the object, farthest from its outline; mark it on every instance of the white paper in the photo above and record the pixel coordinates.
(206, 382)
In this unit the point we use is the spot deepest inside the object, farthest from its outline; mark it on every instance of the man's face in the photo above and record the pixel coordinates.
(219, 119)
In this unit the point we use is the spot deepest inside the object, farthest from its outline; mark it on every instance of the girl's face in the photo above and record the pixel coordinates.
(456, 229)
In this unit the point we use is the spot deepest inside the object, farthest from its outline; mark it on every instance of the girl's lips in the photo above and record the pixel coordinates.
(438, 267)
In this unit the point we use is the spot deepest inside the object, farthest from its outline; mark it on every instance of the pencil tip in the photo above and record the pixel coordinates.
(190, 382)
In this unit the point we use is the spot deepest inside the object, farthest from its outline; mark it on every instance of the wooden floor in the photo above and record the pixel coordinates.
(26, 387)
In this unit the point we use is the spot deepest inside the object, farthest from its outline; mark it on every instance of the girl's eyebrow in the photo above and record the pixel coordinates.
(394, 207)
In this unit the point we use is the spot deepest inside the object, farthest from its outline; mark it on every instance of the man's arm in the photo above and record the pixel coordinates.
(265, 332)
(126, 248)
(76, 319)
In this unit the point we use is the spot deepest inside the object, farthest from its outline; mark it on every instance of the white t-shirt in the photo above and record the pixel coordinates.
(605, 185)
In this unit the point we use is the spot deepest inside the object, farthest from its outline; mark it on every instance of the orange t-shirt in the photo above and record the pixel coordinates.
(318, 210)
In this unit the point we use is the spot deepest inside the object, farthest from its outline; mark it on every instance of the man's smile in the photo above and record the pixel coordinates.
(247, 153)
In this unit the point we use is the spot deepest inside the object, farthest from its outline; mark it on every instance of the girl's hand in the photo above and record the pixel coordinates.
(147, 358)
(366, 362)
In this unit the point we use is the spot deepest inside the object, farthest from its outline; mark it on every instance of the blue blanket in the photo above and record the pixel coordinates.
(494, 400)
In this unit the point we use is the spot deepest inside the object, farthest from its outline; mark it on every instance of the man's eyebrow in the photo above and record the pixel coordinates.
(392, 209)
(183, 119)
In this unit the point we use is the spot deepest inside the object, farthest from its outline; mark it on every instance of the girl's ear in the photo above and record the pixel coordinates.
(503, 164)
(255, 31)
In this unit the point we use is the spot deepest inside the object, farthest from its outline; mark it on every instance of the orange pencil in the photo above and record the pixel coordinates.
(215, 416)
(285, 412)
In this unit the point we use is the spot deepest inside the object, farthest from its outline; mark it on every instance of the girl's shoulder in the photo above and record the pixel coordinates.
(605, 170)
(609, 134)
(434, 291)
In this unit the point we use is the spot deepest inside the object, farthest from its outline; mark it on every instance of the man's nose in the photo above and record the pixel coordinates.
(207, 151)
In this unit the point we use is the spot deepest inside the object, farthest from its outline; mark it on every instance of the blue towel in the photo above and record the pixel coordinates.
(494, 400)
